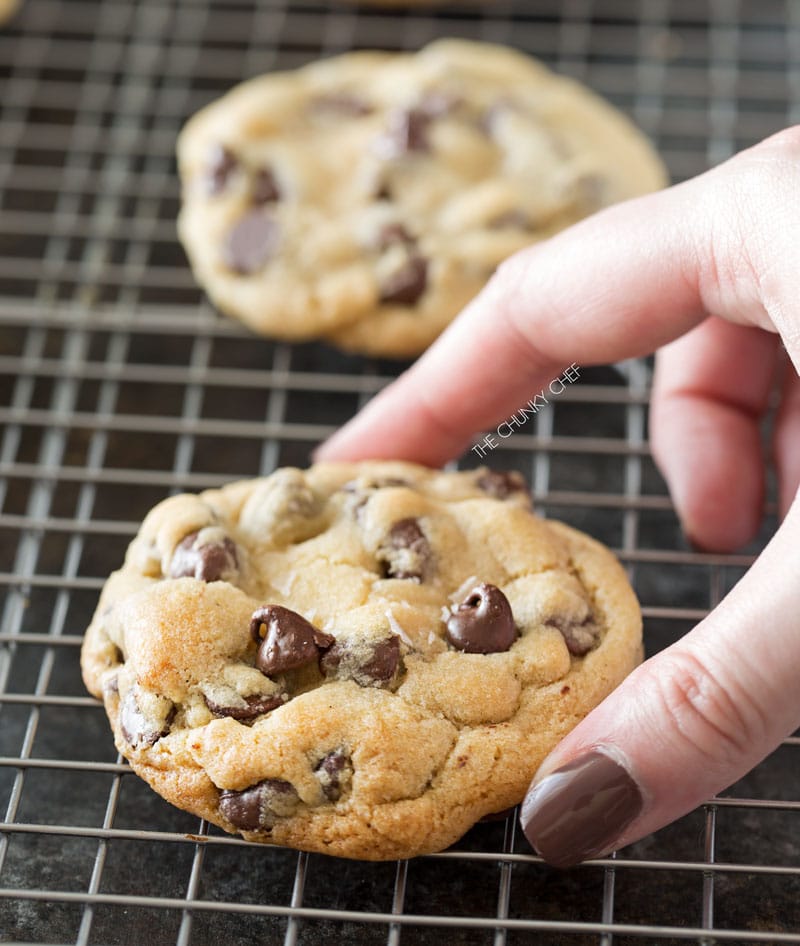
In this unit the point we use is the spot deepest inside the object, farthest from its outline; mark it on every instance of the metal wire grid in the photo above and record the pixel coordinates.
(119, 385)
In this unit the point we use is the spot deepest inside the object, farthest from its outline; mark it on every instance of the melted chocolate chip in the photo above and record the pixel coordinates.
(483, 622)
(580, 638)
(290, 640)
(260, 805)
(342, 103)
(406, 132)
(500, 484)
(255, 706)
(407, 534)
(206, 561)
(221, 165)
(138, 729)
(282, 509)
(385, 660)
(334, 772)
(406, 285)
(265, 187)
(251, 242)
(406, 551)
(369, 664)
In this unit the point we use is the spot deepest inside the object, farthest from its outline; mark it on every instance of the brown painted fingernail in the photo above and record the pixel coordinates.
(580, 810)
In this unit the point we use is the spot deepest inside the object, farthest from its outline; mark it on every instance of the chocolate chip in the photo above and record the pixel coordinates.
(265, 187)
(222, 163)
(342, 103)
(251, 242)
(580, 637)
(483, 622)
(368, 663)
(406, 551)
(334, 771)
(500, 484)
(363, 488)
(142, 729)
(385, 660)
(282, 509)
(254, 707)
(406, 132)
(332, 659)
(260, 805)
(406, 285)
(206, 561)
(290, 641)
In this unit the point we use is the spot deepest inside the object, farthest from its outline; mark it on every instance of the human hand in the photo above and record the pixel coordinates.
(712, 263)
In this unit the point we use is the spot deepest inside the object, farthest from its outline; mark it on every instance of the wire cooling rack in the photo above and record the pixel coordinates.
(119, 385)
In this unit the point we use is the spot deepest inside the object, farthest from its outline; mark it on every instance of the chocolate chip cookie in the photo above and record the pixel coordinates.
(358, 659)
(368, 197)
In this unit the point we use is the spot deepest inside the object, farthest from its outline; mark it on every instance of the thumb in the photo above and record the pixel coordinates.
(685, 725)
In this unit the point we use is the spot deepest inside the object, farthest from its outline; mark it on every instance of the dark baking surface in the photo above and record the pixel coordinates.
(119, 385)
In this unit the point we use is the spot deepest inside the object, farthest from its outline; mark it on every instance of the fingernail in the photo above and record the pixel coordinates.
(579, 810)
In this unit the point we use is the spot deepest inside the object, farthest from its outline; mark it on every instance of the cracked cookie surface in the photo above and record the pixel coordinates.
(368, 197)
(357, 659)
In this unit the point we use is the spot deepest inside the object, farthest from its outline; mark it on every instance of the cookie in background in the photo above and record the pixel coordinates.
(365, 199)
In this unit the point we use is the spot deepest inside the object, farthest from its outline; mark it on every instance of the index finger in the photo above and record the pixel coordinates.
(617, 285)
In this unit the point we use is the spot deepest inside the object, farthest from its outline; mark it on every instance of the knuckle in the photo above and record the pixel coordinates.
(761, 185)
(509, 292)
(718, 720)
(745, 245)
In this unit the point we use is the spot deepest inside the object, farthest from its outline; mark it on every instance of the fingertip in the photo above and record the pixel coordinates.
(580, 809)
(722, 512)
(359, 440)
(327, 450)
(720, 536)
(711, 457)
(710, 390)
